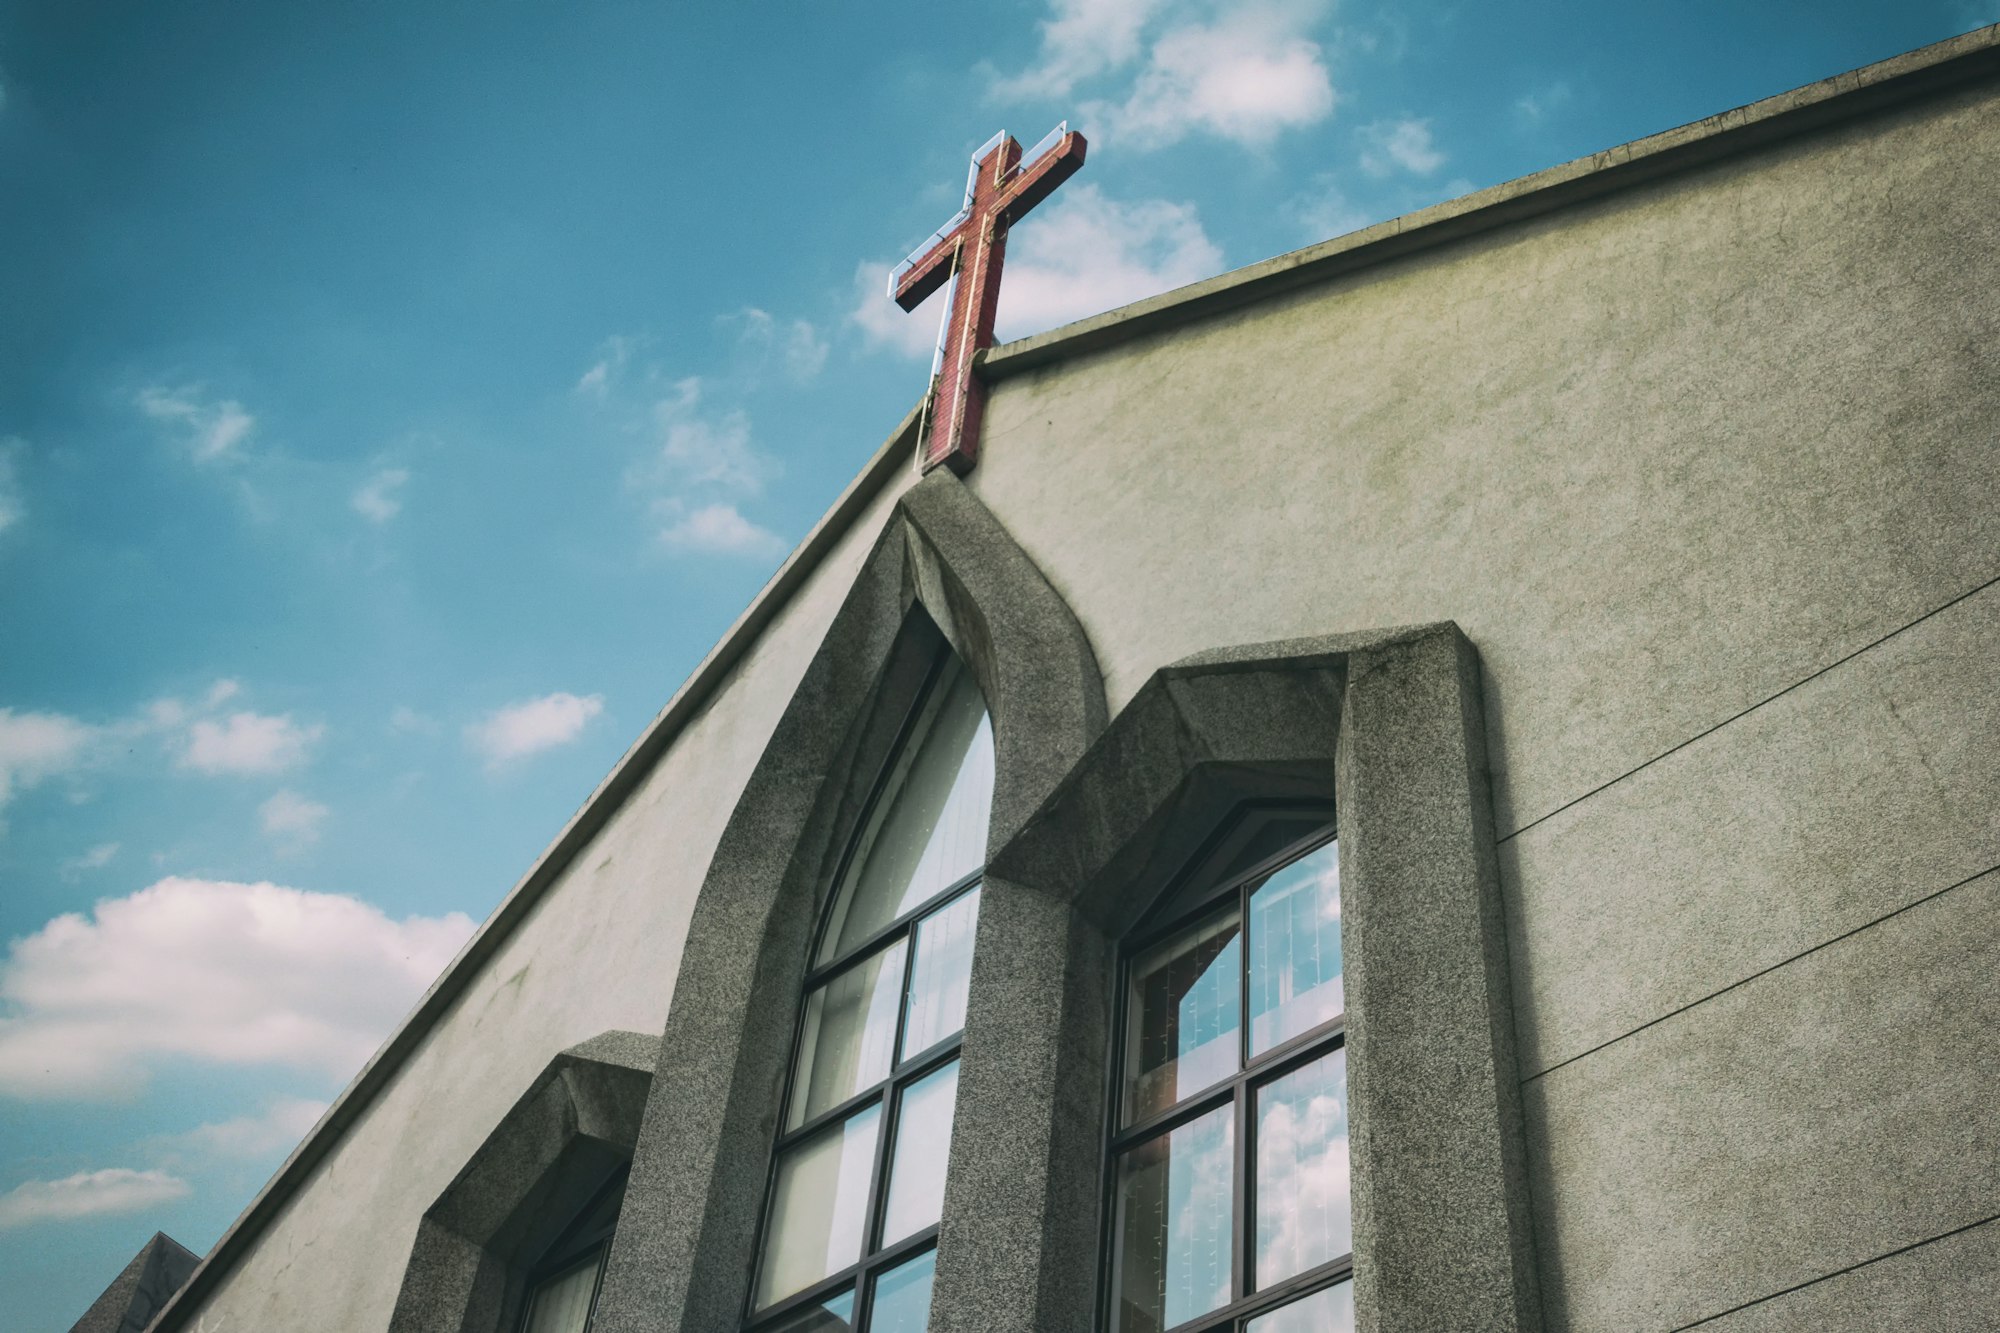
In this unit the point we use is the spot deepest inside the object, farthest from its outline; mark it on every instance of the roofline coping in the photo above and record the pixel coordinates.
(1845, 96)
(631, 769)
(1927, 69)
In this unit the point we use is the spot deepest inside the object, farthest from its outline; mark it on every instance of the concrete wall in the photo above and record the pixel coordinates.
(1706, 469)
(599, 952)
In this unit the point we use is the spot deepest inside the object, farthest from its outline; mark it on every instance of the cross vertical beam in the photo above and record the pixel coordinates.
(971, 249)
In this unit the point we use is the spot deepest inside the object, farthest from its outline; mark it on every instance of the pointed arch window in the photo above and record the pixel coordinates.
(857, 1178)
(1228, 1148)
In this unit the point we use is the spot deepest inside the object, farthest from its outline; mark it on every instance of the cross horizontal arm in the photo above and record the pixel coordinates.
(1036, 181)
(927, 272)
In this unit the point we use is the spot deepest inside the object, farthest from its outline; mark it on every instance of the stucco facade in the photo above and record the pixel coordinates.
(1697, 445)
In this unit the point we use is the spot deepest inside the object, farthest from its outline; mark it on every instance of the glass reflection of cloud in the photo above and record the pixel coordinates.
(1198, 1190)
(1302, 1171)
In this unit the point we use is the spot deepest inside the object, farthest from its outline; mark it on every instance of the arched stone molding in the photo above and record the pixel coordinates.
(574, 1127)
(943, 568)
(1388, 727)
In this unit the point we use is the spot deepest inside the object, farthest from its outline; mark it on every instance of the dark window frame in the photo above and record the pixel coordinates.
(861, 1276)
(1230, 891)
(576, 1246)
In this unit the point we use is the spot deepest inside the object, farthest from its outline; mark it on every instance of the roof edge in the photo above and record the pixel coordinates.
(1928, 69)
(597, 810)
(1844, 96)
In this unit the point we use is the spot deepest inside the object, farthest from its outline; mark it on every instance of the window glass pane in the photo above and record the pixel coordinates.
(1183, 1016)
(561, 1304)
(928, 828)
(1302, 1209)
(1327, 1311)
(1174, 1201)
(923, 1142)
(1260, 838)
(941, 974)
(849, 1039)
(1295, 950)
(817, 1206)
(833, 1315)
(903, 1297)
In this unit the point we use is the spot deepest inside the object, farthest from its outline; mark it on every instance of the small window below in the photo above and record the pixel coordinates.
(1229, 1172)
(562, 1289)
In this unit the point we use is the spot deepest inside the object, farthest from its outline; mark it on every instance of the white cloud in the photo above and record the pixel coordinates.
(409, 721)
(274, 1131)
(1166, 69)
(116, 1189)
(717, 529)
(214, 971)
(221, 693)
(701, 451)
(532, 725)
(1302, 1140)
(1246, 77)
(212, 429)
(1389, 146)
(12, 506)
(1325, 212)
(884, 324)
(1539, 104)
(246, 742)
(1081, 255)
(805, 350)
(1978, 13)
(166, 713)
(597, 382)
(1091, 253)
(794, 342)
(705, 460)
(37, 746)
(1081, 39)
(292, 820)
(717, 453)
(380, 497)
(96, 858)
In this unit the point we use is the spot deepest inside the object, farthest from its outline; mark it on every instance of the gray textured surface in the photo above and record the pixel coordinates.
(1813, 1118)
(145, 1284)
(682, 1258)
(1660, 455)
(599, 950)
(1018, 1246)
(1949, 1285)
(1442, 1217)
(1917, 74)
(330, 1229)
(1389, 724)
(1855, 794)
(572, 1128)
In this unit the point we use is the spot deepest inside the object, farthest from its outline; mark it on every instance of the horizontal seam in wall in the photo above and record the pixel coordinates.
(1709, 731)
(1812, 1282)
(1764, 972)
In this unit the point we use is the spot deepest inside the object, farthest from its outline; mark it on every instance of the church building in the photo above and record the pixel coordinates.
(1444, 782)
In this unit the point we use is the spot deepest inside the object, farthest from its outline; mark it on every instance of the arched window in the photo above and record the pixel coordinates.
(1228, 1167)
(857, 1177)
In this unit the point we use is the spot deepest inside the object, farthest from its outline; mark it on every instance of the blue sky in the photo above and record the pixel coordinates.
(398, 399)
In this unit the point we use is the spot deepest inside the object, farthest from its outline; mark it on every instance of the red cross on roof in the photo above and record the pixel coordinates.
(998, 193)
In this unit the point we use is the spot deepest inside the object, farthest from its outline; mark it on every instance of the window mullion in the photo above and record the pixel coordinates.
(1243, 1198)
(1267, 960)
